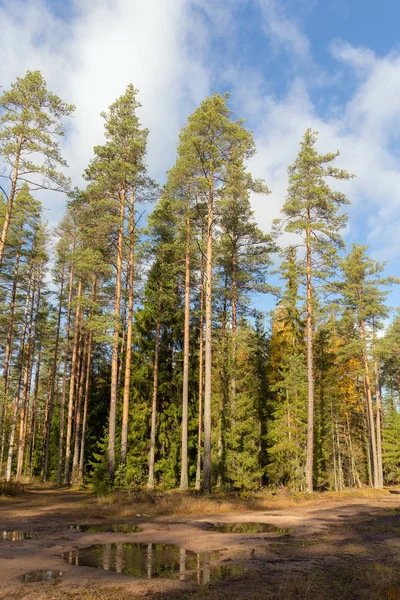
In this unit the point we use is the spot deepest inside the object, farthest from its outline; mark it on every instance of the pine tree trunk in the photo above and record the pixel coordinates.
(186, 333)
(378, 418)
(234, 322)
(11, 197)
(208, 349)
(85, 406)
(28, 359)
(201, 376)
(18, 387)
(64, 379)
(114, 363)
(7, 352)
(310, 375)
(32, 439)
(128, 357)
(73, 376)
(150, 483)
(53, 379)
(7, 355)
(78, 412)
(370, 412)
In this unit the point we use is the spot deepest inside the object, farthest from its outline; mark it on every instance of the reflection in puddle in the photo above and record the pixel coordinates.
(152, 560)
(15, 536)
(40, 575)
(248, 528)
(118, 528)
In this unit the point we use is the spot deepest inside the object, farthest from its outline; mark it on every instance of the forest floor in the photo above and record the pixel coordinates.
(338, 547)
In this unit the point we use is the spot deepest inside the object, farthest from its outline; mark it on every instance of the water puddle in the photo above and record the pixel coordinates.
(118, 528)
(248, 528)
(40, 575)
(152, 561)
(16, 536)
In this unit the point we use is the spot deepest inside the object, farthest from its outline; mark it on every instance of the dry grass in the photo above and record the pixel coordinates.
(178, 503)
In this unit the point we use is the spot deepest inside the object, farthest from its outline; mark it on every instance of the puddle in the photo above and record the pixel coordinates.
(248, 528)
(40, 575)
(15, 536)
(214, 574)
(152, 561)
(118, 528)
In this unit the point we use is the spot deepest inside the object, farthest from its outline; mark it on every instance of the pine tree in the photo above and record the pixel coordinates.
(116, 171)
(29, 127)
(212, 144)
(311, 211)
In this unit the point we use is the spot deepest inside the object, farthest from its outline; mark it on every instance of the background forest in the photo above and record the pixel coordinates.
(132, 351)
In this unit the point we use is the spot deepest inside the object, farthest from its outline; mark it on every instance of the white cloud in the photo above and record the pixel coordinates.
(165, 50)
(90, 60)
(283, 29)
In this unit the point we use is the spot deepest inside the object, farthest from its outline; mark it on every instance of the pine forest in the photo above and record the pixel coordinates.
(138, 349)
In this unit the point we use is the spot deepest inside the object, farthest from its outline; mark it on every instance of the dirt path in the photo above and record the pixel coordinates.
(341, 549)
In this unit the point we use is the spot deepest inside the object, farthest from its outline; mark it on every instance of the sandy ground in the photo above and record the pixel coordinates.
(340, 549)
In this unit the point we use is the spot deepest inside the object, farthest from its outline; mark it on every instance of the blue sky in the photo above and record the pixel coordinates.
(333, 65)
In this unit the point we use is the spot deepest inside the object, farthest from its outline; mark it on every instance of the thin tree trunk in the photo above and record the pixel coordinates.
(234, 323)
(201, 376)
(370, 411)
(150, 483)
(72, 383)
(85, 407)
(186, 334)
(53, 379)
(378, 417)
(27, 377)
(7, 352)
(18, 389)
(115, 345)
(78, 412)
(310, 375)
(34, 413)
(208, 349)
(128, 357)
(64, 379)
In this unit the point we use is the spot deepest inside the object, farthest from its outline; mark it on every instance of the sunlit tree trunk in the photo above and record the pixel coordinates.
(128, 356)
(310, 371)
(208, 348)
(186, 338)
(201, 376)
(115, 345)
(73, 377)
(150, 483)
(64, 379)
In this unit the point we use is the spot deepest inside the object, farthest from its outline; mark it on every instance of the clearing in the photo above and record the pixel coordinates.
(340, 547)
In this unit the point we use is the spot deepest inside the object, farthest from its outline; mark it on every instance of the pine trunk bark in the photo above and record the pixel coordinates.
(128, 357)
(378, 418)
(78, 412)
(310, 375)
(114, 363)
(18, 388)
(73, 375)
(152, 453)
(64, 379)
(32, 439)
(201, 376)
(208, 348)
(28, 360)
(186, 334)
(85, 407)
(370, 410)
(53, 379)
